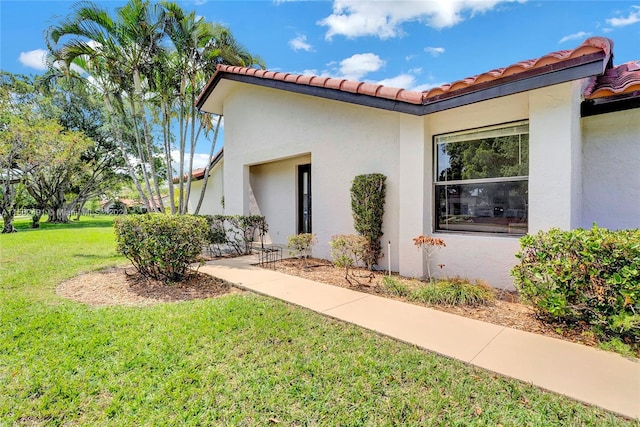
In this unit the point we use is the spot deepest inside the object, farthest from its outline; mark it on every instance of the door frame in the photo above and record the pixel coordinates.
(304, 182)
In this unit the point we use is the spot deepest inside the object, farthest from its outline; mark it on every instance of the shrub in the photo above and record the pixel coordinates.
(454, 291)
(393, 286)
(241, 231)
(584, 275)
(216, 234)
(161, 246)
(235, 231)
(347, 251)
(300, 245)
(367, 206)
(428, 245)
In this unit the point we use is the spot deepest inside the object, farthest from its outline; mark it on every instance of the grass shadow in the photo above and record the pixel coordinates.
(24, 224)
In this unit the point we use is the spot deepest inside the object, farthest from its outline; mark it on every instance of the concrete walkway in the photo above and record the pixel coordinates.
(583, 373)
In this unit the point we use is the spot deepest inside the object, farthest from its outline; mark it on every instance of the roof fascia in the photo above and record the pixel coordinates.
(572, 69)
(610, 104)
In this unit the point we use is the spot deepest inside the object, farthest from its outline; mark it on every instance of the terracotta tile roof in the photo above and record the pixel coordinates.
(589, 46)
(198, 174)
(592, 46)
(343, 85)
(618, 80)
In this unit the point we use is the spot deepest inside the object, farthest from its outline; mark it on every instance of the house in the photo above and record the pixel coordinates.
(547, 142)
(213, 203)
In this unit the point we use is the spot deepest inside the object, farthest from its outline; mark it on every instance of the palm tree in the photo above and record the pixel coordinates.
(200, 47)
(116, 51)
(150, 60)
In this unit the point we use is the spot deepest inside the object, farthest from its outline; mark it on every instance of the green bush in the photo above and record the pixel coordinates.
(300, 245)
(454, 291)
(161, 246)
(238, 232)
(583, 275)
(347, 251)
(367, 206)
(241, 231)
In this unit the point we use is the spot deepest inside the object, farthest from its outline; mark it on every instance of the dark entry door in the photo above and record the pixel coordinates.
(304, 198)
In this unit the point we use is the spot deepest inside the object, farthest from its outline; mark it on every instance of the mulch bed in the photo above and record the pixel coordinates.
(506, 310)
(124, 286)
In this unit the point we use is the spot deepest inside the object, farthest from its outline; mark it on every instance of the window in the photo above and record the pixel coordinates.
(482, 179)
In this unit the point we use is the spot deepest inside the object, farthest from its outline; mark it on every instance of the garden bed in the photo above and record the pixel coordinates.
(506, 310)
(124, 286)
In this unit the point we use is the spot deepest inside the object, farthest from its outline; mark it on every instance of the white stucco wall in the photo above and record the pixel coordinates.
(211, 204)
(343, 140)
(487, 257)
(274, 187)
(611, 170)
(555, 169)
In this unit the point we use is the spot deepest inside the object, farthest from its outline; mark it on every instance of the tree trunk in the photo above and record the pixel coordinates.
(57, 212)
(208, 169)
(7, 216)
(145, 175)
(167, 154)
(116, 126)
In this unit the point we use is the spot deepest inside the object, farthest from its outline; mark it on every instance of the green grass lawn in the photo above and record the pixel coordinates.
(237, 360)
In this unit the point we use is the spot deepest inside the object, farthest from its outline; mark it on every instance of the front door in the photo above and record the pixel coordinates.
(304, 198)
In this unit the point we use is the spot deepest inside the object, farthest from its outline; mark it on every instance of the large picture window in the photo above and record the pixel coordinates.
(482, 179)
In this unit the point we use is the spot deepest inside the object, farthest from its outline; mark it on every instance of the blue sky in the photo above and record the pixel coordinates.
(410, 44)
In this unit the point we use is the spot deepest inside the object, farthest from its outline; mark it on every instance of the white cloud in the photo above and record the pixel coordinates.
(575, 36)
(402, 81)
(34, 59)
(427, 86)
(300, 43)
(310, 72)
(408, 81)
(200, 160)
(385, 18)
(360, 64)
(434, 51)
(634, 16)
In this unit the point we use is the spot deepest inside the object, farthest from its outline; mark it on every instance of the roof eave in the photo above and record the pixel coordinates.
(610, 104)
(561, 72)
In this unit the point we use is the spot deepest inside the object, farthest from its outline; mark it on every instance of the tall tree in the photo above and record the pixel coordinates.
(115, 52)
(151, 60)
(199, 48)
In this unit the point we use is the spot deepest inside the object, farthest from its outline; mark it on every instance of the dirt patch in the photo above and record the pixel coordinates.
(124, 286)
(506, 310)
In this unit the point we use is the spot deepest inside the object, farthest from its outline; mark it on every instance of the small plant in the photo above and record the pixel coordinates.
(348, 251)
(300, 245)
(454, 291)
(428, 245)
(393, 286)
(367, 205)
(160, 246)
